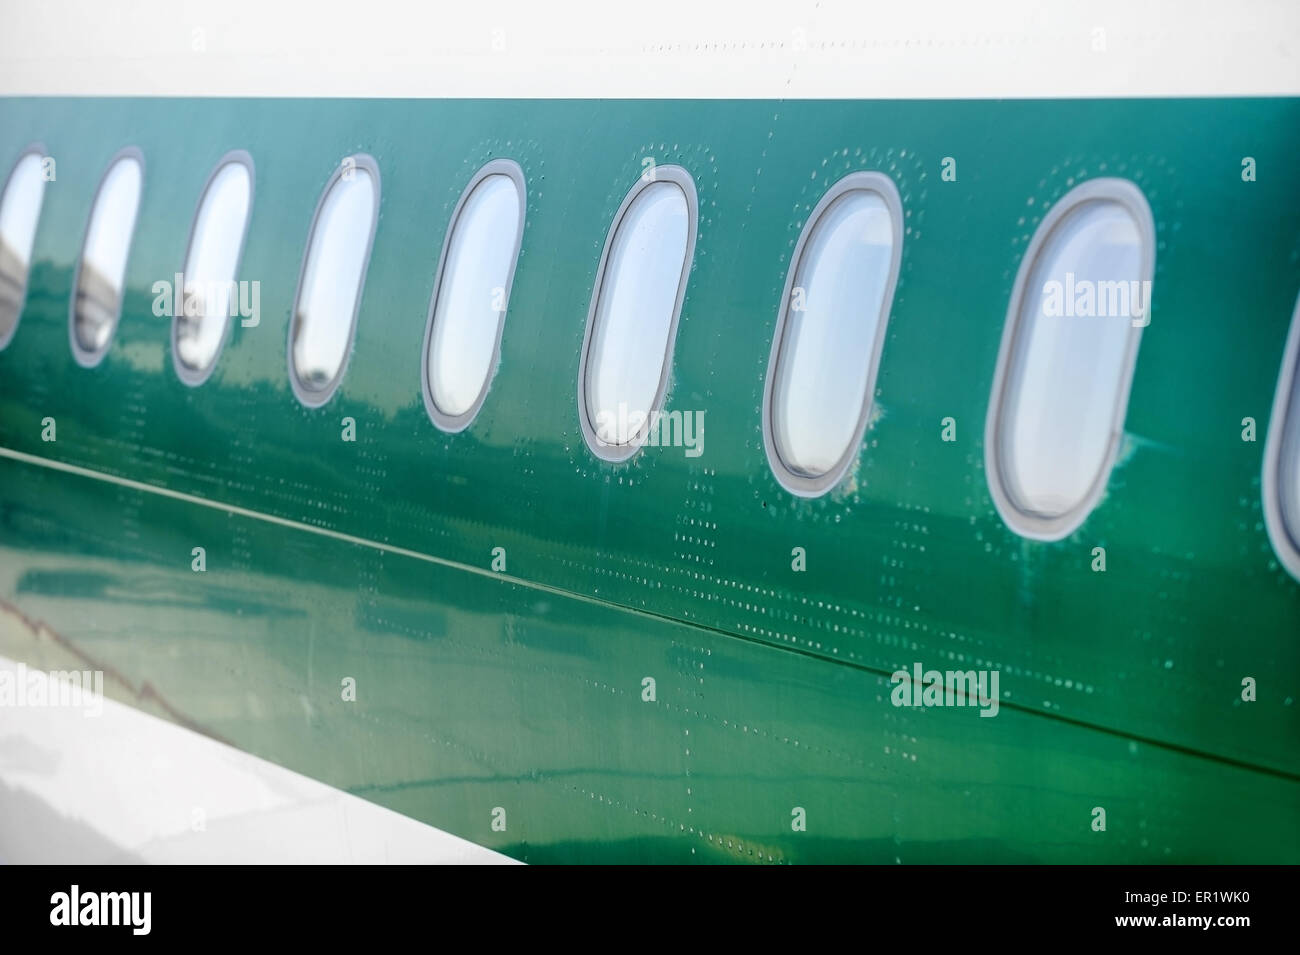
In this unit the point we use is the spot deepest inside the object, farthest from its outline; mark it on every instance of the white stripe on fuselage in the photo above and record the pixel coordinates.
(768, 49)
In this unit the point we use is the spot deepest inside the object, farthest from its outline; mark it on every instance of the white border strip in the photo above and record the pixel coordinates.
(125, 786)
(677, 48)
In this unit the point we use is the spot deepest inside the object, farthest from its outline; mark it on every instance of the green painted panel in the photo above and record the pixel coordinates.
(475, 693)
(906, 562)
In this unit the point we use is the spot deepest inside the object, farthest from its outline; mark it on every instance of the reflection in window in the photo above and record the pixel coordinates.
(636, 303)
(472, 292)
(1289, 464)
(20, 210)
(329, 292)
(832, 322)
(102, 271)
(1081, 301)
(1282, 457)
(210, 295)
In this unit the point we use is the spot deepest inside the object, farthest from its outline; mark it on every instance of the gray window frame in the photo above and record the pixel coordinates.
(84, 357)
(453, 424)
(37, 149)
(811, 486)
(618, 453)
(1027, 524)
(191, 376)
(308, 397)
(1281, 427)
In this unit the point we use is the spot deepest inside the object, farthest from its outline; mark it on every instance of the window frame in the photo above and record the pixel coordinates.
(453, 424)
(1286, 403)
(36, 149)
(84, 357)
(679, 176)
(308, 397)
(812, 486)
(1033, 526)
(191, 376)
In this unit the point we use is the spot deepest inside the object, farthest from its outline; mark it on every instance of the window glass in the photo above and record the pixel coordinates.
(329, 292)
(473, 289)
(1082, 298)
(636, 306)
(1289, 465)
(102, 271)
(211, 263)
(20, 210)
(1282, 457)
(829, 338)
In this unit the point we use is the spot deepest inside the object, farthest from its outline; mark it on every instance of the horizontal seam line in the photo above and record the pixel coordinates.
(77, 469)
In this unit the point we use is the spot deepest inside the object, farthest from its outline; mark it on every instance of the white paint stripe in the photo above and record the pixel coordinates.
(126, 786)
(665, 48)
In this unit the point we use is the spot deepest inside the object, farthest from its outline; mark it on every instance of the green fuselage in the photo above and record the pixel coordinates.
(525, 688)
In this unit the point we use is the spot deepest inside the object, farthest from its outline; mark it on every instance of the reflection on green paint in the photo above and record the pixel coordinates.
(1121, 689)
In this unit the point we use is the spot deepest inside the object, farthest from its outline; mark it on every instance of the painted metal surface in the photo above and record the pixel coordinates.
(1119, 689)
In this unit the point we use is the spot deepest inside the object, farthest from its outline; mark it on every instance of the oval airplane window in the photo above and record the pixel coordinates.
(20, 210)
(333, 275)
(1069, 346)
(632, 323)
(463, 337)
(101, 270)
(211, 297)
(830, 328)
(1282, 457)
